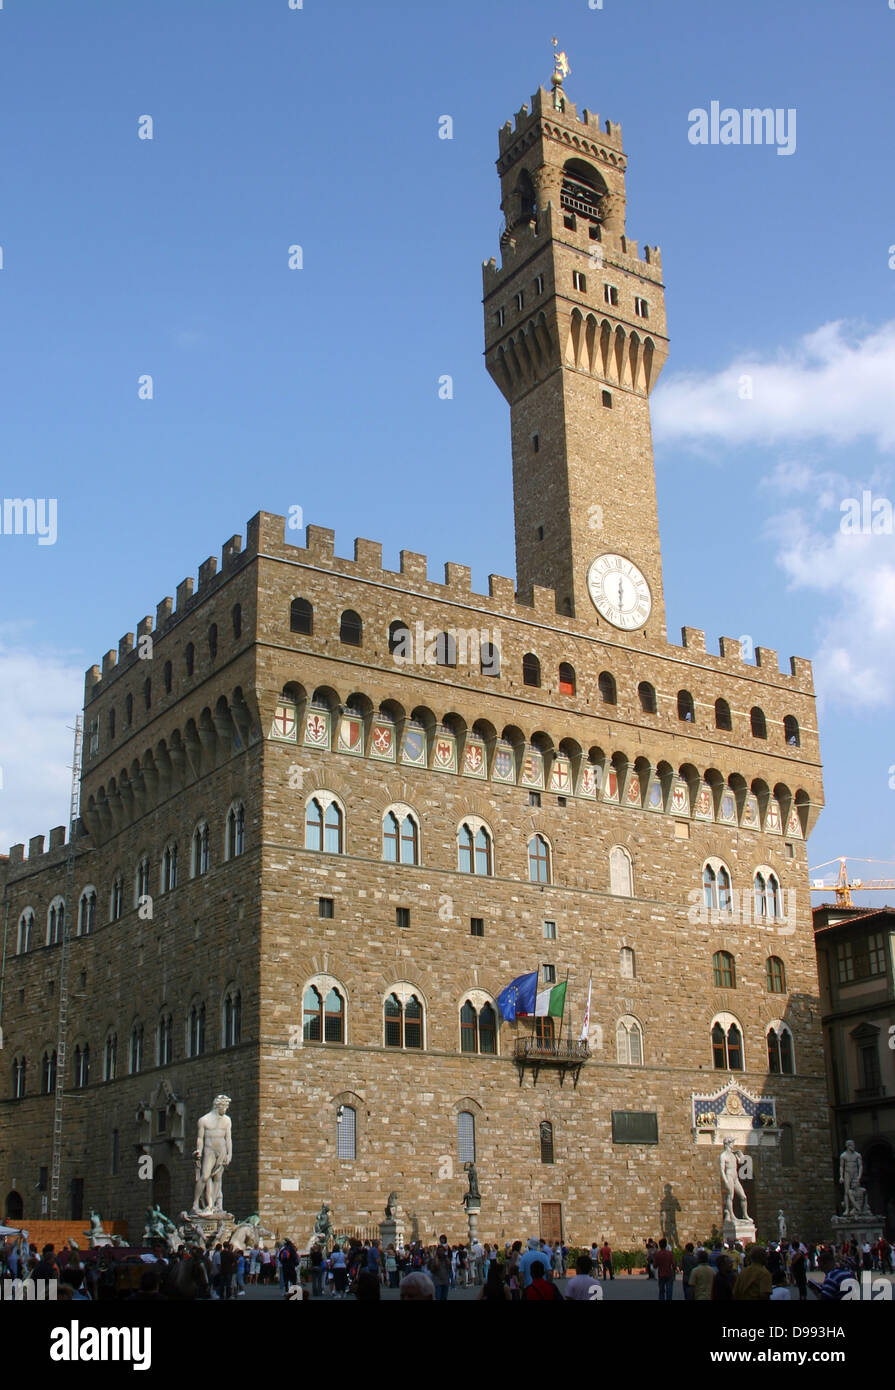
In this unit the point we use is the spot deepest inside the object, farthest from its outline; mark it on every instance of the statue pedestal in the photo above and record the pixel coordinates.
(473, 1207)
(209, 1224)
(740, 1229)
(97, 1238)
(391, 1232)
(867, 1227)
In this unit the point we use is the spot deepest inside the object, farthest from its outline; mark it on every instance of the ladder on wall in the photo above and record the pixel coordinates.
(62, 1033)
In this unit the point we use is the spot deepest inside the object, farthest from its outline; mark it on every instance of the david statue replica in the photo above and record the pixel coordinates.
(214, 1150)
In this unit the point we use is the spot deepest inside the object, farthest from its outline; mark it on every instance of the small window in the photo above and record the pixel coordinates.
(129, 710)
(466, 1136)
(351, 629)
(566, 679)
(646, 694)
(610, 294)
(326, 908)
(629, 1042)
(147, 693)
(641, 308)
(722, 716)
(231, 1032)
(213, 641)
(536, 443)
(539, 284)
(579, 280)
(569, 221)
(791, 731)
(780, 1058)
(776, 975)
(546, 1137)
(607, 400)
(538, 860)
(549, 973)
(346, 1133)
(519, 300)
(607, 688)
(111, 723)
(501, 316)
(724, 969)
(236, 829)
(627, 964)
(189, 658)
(845, 962)
(685, 707)
(402, 917)
(534, 798)
(758, 722)
(200, 851)
(301, 617)
(474, 850)
(476, 926)
(531, 670)
(550, 931)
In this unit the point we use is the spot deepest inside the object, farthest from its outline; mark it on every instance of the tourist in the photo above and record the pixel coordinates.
(665, 1267)
(240, 1274)
(651, 1248)
(288, 1266)
(688, 1264)
(595, 1253)
(583, 1287)
(478, 1261)
(440, 1272)
(339, 1267)
(540, 1289)
(417, 1286)
(702, 1278)
(725, 1277)
(754, 1283)
(526, 1261)
(494, 1289)
(605, 1260)
(391, 1267)
(779, 1292)
(798, 1270)
(316, 1257)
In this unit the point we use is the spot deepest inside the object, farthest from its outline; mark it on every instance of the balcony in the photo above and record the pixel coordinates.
(567, 1055)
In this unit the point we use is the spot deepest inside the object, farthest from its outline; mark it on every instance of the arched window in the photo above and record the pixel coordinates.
(169, 868)
(546, 1137)
(621, 873)
(110, 1057)
(538, 860)
(301, 617)
(231, 1031)
(164, 1040)
(351, 629)
(566, 678)
(196, 1029)
(346, 1133)
(780, 1054)
(116, 898)
(607, 688)
(469, 1028)
(685, 707)
(758, 722)
(189, 658)
(48, 1073)
(55, 921)
(82, 1067)
(168, 677)
(627, 963)
(135, 1057)
(403, 1021)
(236, 617)
(400, 838)
(87, 912)
(727, 1045)
(474, 848)
(236, 830)
(488, 1029)
(324, 825)
(141, 880)
(323, 1017)
(531, 670)
(775, 974)
(722, 716)
(629, 1042)
(128, 709)
(724, 968)
(19, 1068)
(466, 1136)
(716, 886)
(791, 731)
(400, 639)
(200, 858)
(25, 940)
(646, 693)
(489, 659)
(213, 641)
(767, 896)
(445, 649)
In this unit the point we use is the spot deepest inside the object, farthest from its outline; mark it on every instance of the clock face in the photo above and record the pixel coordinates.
(619, 592)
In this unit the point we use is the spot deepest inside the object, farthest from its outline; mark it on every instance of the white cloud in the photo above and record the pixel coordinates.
(40, 694)
(835, 386)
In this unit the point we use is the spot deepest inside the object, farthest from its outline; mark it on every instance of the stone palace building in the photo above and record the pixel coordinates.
(328, 811)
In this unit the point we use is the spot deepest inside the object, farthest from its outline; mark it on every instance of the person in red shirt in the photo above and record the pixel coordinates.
(665, 1267)
(606, 1259)
(540, 1290)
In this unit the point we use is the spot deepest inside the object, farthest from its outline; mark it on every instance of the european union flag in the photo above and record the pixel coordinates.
(519, 996)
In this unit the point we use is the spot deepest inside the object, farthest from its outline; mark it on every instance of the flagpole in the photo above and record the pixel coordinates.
(563, 1014)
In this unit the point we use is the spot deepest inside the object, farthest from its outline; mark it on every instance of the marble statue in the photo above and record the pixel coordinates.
(851, 1170)
(249, 1232)
(214, 1150)
(781, 1225)
(730, 1177)
(391, 1206)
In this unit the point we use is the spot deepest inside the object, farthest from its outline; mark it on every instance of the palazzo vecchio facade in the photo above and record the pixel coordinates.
(329, 811)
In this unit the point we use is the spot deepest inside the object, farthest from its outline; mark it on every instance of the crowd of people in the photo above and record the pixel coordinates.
(711, 1271)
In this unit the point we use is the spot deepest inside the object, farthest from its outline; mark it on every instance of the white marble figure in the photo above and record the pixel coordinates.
(214, 1150)
(781, 1225)
(730, 1177)
(248, 1233)
(851, 1170)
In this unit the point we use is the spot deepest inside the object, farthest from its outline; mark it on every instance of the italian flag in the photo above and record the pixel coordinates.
(550, 1002)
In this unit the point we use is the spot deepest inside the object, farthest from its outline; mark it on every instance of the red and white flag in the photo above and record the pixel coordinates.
(585, 1027)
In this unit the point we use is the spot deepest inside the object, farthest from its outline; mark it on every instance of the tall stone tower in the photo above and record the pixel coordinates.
(575, 338)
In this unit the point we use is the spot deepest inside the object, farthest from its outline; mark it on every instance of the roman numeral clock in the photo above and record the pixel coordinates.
(619, 591)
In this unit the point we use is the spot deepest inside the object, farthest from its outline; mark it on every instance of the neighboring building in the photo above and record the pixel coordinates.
(855, 952)
(331, 810)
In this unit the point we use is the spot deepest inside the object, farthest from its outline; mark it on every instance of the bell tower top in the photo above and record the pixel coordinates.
(575, 338)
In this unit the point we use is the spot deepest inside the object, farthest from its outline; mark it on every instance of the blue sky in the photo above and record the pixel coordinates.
(319, 126)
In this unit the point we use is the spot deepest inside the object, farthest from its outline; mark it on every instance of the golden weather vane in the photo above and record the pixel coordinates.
(561, 63)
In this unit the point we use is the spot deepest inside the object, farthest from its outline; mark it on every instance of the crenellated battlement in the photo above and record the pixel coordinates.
(616, 251)
(542, 108)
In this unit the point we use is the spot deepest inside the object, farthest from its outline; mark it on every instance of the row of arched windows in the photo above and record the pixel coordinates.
(725, 974)
(727, 1047)
(200, 860)
(195, 1037)
(351, 631)
(347, 1135)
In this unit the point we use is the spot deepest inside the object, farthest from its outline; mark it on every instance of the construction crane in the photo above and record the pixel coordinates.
(843, 886)
(62, 1033)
